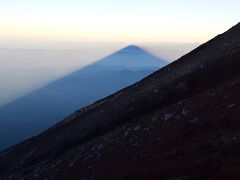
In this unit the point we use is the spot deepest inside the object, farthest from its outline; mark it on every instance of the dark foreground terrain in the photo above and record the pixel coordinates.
(182, 122)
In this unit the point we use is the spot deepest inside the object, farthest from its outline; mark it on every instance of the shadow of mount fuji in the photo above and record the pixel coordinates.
(44, 107)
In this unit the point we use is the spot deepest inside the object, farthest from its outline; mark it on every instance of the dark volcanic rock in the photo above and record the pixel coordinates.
(181, 122)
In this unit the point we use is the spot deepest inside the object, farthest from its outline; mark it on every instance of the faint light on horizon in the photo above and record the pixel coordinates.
(106, 30)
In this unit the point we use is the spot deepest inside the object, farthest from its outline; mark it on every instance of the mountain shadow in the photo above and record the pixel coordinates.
(44, 107)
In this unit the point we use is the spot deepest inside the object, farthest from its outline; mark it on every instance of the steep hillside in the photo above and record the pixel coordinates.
(181, 122)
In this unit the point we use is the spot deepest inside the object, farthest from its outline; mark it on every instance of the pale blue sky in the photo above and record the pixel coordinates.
(116, 21)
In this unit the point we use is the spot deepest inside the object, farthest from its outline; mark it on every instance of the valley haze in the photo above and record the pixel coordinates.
(26, 69)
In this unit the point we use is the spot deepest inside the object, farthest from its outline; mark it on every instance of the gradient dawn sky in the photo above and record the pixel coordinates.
(128, 21)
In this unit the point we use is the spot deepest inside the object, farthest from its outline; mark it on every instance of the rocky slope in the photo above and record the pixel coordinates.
(181, 122)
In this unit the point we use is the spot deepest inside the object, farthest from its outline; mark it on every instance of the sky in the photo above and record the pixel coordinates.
(127, 21)
(43, 40)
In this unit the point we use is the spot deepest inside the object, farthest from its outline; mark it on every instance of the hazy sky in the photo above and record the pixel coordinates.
(91, 29)
(127, 21)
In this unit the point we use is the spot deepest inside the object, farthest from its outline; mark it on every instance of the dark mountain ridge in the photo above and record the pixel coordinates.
(181, 122)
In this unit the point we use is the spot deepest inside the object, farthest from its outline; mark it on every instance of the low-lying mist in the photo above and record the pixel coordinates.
(23, 70)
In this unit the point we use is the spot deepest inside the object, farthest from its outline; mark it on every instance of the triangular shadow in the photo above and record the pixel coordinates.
(38, 110)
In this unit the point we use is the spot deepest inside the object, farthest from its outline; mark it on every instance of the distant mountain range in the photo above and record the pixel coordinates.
(44, 107)
(179, 123)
